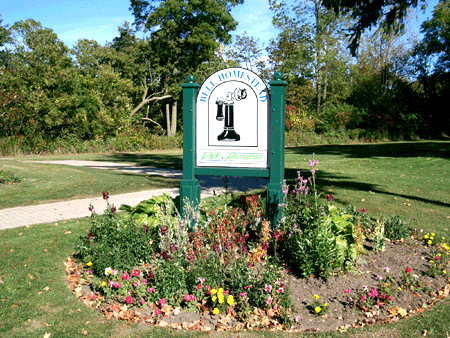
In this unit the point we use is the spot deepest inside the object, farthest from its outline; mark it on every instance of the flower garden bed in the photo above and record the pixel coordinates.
(341, 313)
(225, 267)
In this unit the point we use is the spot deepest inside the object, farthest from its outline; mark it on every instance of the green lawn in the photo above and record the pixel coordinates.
(407, 178)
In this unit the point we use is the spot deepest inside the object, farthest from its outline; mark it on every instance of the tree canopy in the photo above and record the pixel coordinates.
(391, 14)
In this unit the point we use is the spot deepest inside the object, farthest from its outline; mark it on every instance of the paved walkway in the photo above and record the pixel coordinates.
(59, 211)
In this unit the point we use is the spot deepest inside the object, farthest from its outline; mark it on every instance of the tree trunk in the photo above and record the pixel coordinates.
(169, 130)
(174, 119)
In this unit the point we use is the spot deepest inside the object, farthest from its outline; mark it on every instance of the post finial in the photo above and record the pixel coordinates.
(278, 76)
(190, 78)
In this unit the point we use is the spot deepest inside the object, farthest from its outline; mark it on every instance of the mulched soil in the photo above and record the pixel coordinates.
(397, 256)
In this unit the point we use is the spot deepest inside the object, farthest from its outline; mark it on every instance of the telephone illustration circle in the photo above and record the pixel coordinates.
(225, 112)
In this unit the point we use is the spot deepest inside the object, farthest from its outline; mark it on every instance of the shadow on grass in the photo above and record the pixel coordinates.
(174, 161)
(439, 149)
(326, 180)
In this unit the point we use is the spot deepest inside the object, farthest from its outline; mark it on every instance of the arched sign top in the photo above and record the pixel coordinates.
(232, 120)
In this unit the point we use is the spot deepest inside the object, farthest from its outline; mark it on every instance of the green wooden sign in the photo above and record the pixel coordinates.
(233, 125)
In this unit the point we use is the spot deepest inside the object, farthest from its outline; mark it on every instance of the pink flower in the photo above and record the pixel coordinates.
(187, 298)
(268, 288)
(114, 272)
(348, 291)
(193, 297)
(243, 294)
(387, 269)
(157, 312)
(199, 286)
(136, 273)
(117, 285)
(269, 300)
(363, 298)
(226, 292)
(373, 293)
(436, 258)
(162, 302)
(151, 290)
(280, 290)
(125, 275)
(89, 271)
(378, 303)
(390, 298)
(201, 280)
(408, 270)
(142, 301)
(129, 300)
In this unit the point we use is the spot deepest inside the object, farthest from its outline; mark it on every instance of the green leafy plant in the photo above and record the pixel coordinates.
(395, 228)
(317, 238)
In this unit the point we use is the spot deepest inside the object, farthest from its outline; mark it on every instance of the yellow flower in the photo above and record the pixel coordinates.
(444, 272)
(402, 312)
(430, 242)
(316, 297)
(230, 300)
(89, 263)
(431, 261)
(216, 311)
(326, 304)
(103, 283)
(443, 238)
(213, 291)
(220, 298)
(317, 309)
(426, 236)
(433, 234)
(214, 298)
(399, 288)
(220, 291)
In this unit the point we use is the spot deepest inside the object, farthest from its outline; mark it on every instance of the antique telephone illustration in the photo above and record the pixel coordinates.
(229, 134)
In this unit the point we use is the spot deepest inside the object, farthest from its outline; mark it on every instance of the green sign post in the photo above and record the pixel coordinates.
(233, 152)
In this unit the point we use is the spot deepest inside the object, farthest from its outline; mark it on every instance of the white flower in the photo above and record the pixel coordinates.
(108, 271)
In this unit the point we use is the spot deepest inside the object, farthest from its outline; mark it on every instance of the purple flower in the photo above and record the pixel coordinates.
(105, 195)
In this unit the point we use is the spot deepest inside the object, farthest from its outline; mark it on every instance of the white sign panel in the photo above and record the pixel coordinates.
(232, 120)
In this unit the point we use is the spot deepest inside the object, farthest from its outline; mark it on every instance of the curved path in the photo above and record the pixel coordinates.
(59, 211)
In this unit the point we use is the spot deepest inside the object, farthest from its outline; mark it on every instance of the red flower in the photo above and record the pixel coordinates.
(408, 270)
(129, 300)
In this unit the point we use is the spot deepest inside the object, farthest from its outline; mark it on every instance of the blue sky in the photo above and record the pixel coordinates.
(99, 19)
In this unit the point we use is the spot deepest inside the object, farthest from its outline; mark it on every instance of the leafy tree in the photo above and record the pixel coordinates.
(434, 50)
(432, 62)
(184, 34)
(247, 53)
(309, 50)
(390, 14)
